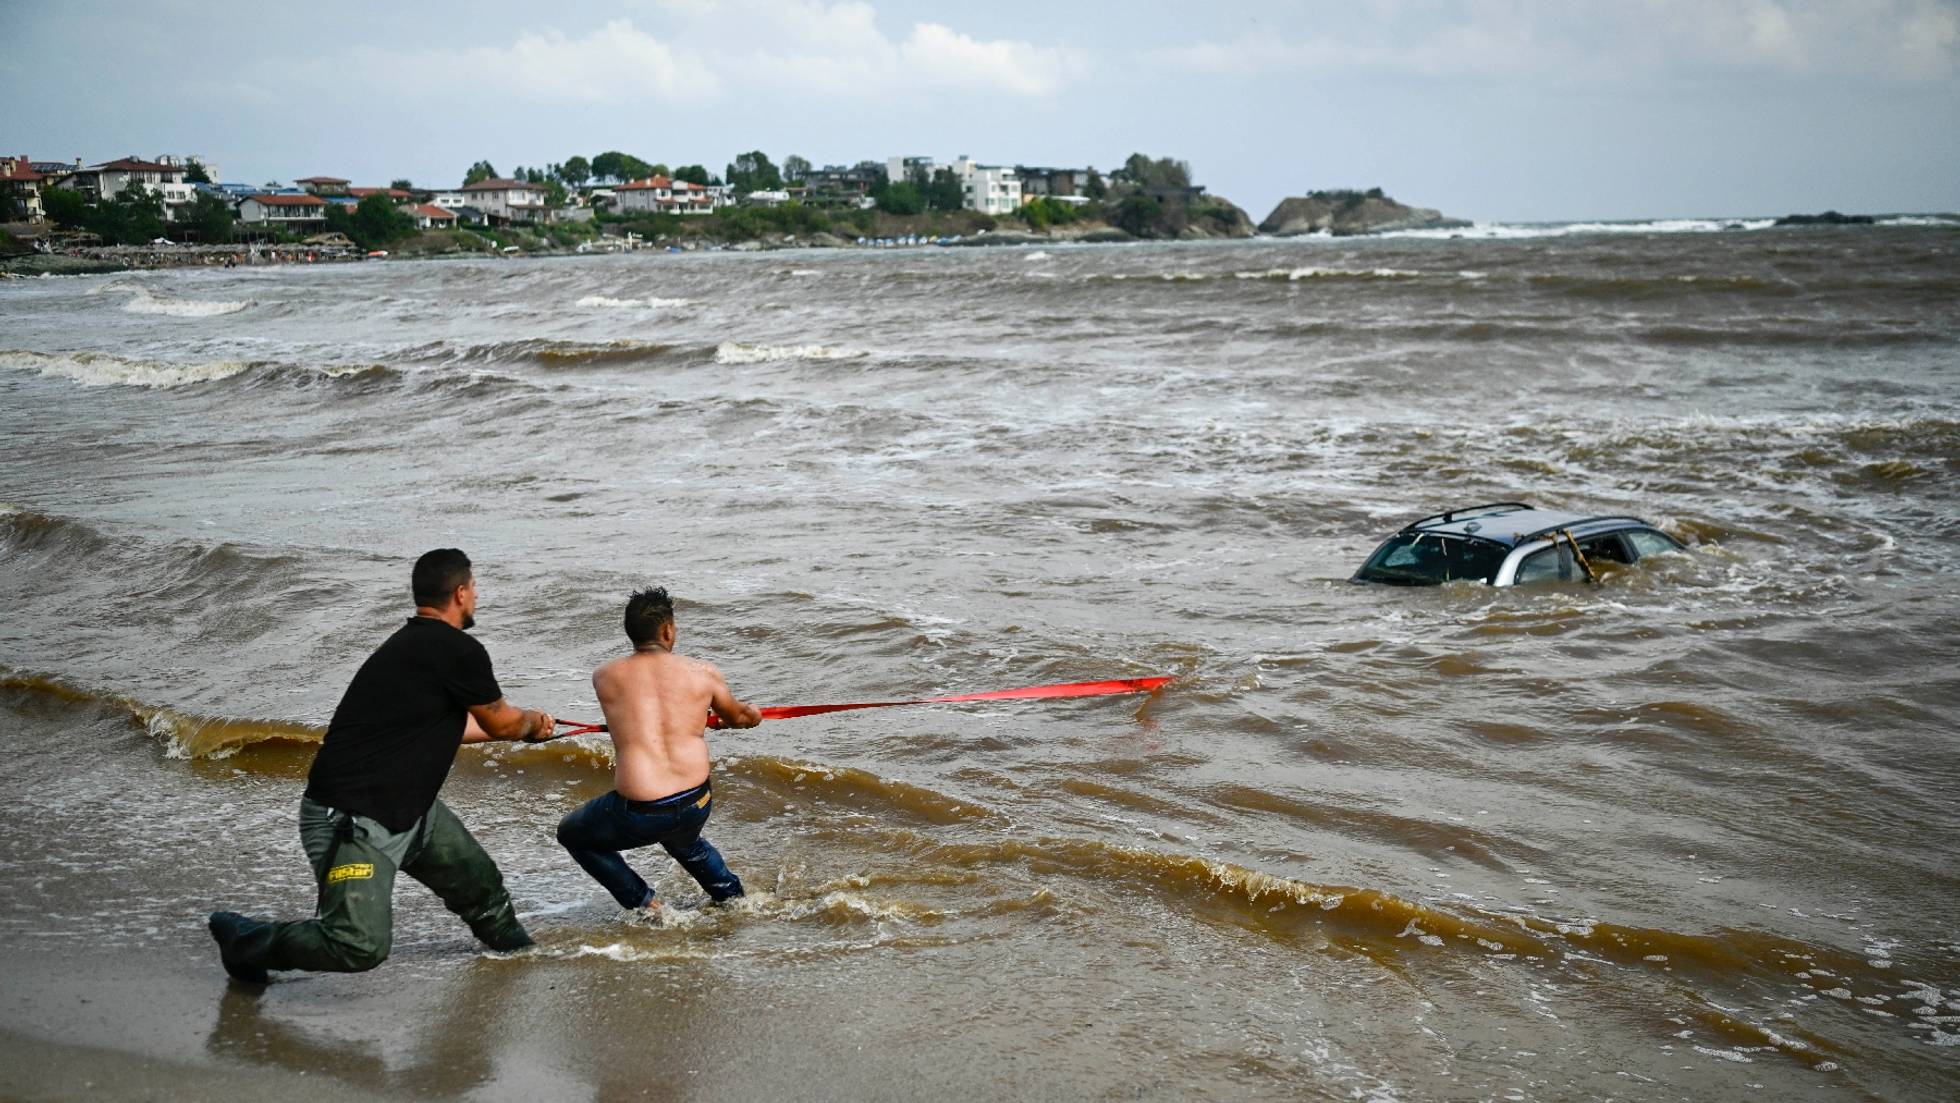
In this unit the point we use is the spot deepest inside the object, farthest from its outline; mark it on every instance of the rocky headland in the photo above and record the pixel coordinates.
(1828, 218)
(1351, 213)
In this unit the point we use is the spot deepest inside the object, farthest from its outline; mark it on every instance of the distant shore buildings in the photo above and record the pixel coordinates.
(522, 199)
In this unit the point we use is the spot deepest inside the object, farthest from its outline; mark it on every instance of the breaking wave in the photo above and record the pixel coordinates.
(143, 301)
(735, 353)
(609, 303)
(95, 369)
(184, 735)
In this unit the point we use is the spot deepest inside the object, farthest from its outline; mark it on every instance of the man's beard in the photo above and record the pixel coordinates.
(469, 622)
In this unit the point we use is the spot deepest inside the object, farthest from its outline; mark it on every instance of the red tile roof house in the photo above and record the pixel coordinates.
(396, 195)
(508, 200)
(428, 216)
(661, 195)
(20, 190)
(107, 180)
(299, 213)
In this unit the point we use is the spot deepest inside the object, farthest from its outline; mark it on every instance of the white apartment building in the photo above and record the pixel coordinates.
(898, 169)
(989, 189)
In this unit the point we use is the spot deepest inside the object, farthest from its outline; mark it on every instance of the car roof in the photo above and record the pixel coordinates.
(1514, 523)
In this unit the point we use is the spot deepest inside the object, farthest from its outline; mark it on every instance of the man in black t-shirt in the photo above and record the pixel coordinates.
(370, 807)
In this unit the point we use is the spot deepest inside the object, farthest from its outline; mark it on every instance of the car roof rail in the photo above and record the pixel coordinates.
(1522, 537)
(1453, 514)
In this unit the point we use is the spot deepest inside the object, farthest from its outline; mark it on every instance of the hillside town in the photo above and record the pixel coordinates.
(184, 199)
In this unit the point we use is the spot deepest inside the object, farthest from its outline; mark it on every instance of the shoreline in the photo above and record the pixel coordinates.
(110, 260)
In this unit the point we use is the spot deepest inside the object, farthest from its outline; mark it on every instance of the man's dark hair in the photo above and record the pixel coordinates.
(437, 576)
(646, 611)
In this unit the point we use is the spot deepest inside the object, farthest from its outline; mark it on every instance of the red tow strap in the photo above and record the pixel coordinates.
(1061, 689)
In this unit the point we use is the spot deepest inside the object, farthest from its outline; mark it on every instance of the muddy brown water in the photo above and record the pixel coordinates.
(1687, 833)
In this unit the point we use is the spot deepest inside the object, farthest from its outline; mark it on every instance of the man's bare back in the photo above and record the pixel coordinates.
(656, 705)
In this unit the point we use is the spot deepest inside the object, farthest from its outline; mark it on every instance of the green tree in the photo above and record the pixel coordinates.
(658, 168)
(555, 193)
(133, 217)
(945, 193)
(693, 174)
(402, 184)
(482, 170)
(66, 207)
(619, 167)
(795, 169)
(194, 173)
(901, 198)
(1137, 214)
(1095, 188)
(211, 217)
(753, 171)
(575, 171)
(381, 222)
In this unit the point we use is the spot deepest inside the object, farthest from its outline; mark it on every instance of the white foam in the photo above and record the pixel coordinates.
(1511, 231)
(142, 301)
(633, 304)
(1036, 255)
(1311, 273)
(734, 353)
(92, 369)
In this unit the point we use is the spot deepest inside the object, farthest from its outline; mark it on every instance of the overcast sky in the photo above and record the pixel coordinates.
(1487, 109)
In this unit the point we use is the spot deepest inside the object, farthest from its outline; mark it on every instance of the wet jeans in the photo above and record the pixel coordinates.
(354, 862)
(596, 831)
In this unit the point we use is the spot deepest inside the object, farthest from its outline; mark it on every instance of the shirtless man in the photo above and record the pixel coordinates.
(656, 705)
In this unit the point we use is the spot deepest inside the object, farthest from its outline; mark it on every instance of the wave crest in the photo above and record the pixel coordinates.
(735, 353)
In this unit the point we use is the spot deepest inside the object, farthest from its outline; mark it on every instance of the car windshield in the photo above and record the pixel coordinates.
(1428, 558)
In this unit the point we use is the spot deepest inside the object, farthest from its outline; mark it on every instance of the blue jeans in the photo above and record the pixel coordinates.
(596, 831)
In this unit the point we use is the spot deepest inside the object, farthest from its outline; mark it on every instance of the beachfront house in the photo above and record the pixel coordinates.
(663, 195)
(899, 169)
(1055, 183)
(504, 200)
(323, 185)
(107, 180)
(989, 189)
(20, 190)
(844, 185)
(428, 216)
(300, 214)
(395, 195)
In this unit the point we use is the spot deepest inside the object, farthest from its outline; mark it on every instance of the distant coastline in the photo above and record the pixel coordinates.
(1387, 220)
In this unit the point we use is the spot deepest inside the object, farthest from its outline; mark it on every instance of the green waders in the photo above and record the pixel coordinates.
(354, 861)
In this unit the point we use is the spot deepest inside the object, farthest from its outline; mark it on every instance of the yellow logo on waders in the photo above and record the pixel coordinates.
(352, 871)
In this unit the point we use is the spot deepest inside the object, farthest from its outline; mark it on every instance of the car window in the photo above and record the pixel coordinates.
(1425, 558)
(1554, 564)
(1648, 542)
(1605, 549)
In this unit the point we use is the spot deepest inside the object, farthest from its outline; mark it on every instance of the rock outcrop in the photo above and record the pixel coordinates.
(1828, 218)
(1215, 218)
(1348, 213)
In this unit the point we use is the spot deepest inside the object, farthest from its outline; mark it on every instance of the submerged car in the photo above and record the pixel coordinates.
(1506, 543)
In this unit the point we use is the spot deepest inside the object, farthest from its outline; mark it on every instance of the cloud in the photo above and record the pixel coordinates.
(937, 54)
(705, 50)
(616, 62)
(1886, 39)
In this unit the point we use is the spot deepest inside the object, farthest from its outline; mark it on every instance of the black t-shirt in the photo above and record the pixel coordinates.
(396, 731)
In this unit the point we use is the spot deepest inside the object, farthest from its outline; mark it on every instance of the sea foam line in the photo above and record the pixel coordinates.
(735, 353)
